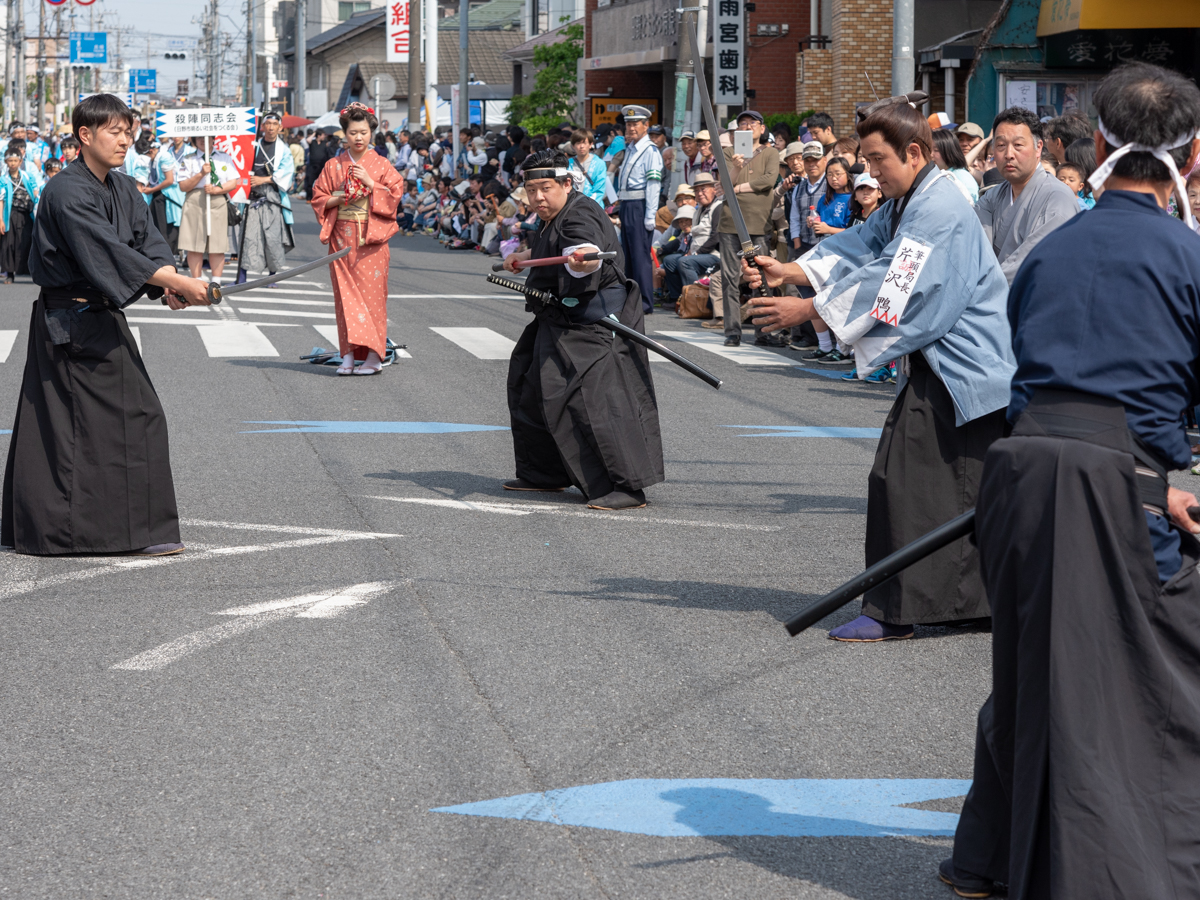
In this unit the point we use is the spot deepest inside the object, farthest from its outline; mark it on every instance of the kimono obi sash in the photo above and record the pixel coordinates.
(1098, 420)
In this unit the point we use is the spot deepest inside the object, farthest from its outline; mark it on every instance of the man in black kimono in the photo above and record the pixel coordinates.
(581, 398)
(89, 469)
(1087, 754)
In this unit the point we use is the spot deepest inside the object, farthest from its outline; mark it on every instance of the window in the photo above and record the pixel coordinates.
(347, 8)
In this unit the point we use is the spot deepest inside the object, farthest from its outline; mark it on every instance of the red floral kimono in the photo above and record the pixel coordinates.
(360, 279)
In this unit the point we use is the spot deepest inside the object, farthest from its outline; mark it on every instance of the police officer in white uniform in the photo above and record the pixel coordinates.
(639, 184)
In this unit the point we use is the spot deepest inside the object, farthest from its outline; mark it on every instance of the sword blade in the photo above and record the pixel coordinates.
(223, 290)
(715, 131)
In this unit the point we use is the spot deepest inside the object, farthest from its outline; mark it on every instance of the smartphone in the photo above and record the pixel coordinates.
(743, 144)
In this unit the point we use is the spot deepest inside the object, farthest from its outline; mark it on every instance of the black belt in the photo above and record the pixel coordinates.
(1098, 420)
(70, 298)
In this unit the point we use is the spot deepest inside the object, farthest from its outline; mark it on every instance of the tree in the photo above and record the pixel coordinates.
(554, 87)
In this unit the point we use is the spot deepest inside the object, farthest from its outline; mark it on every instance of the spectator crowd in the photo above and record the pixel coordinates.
(1024, 176)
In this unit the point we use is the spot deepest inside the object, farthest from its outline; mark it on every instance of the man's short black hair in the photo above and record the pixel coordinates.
(1069, 128)
(1019, 115)
(820, 120)
(1146, 104)
(69, 141)
(97, 111)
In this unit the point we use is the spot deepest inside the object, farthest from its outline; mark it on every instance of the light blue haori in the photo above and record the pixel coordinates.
(934, 287)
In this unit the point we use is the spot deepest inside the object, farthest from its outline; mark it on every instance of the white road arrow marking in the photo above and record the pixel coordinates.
(310, 606)
(14, 587)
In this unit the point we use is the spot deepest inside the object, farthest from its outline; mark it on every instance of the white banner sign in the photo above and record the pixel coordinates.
(729, 52)
(1021, 94)
(899, 281)
(211, 120)
(397, 31)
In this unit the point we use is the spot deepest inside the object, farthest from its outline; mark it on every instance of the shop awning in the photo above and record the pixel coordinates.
(1058, 16)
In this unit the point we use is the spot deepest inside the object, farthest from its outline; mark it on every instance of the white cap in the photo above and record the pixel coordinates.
(865, 179)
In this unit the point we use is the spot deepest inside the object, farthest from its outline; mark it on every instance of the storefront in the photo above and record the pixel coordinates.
(1051, 57)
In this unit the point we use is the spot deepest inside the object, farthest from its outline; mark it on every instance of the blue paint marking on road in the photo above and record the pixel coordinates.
(737, 807)
(307, 427)
(809, 431)
(5, 432)
(824, 373)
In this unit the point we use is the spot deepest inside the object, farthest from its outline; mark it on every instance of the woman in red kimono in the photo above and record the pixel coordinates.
(355, 199)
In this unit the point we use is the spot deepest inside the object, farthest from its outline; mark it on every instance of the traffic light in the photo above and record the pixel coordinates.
(174, 56)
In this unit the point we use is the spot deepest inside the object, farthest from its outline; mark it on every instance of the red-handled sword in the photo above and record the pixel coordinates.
(557, 260)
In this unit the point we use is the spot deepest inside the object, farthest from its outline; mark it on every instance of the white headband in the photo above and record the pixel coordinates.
(534, 174)
(1161, 153)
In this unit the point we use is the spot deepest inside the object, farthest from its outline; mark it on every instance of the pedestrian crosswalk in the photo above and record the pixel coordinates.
(7, 339)
(743, 356)
(228, 332)
(479, 342)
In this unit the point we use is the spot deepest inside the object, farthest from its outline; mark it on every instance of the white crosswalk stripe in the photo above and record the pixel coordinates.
(236, 339)
(7, 339)
(295, 313)
(743, 356)
(330, 333)
(480, 342)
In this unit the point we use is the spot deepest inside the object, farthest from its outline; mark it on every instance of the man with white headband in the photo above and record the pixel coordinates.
(580, 399)
(1031, 202)
(1087, 754)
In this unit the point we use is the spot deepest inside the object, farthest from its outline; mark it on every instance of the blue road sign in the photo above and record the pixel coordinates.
(143, 81)
(89, 47)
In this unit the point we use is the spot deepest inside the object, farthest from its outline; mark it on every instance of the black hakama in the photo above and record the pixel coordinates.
(89, 467)
(158, 211)
(926, 472)
(88, 462)
(14, 244)
(581, 400)
(1088, 751)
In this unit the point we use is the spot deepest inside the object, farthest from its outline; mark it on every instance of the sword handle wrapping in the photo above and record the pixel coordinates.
(762, 289)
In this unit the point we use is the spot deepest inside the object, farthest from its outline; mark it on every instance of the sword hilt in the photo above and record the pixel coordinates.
(748, 254)
(214, 293)
(532, 293)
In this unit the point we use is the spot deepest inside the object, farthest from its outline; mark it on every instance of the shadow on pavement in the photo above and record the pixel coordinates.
(782, 605)
(864, 868)
(460, 485)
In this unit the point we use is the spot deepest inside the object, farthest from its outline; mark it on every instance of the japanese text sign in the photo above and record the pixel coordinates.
(396, 31)
(899, 281)
(729, 52)
(204, 121)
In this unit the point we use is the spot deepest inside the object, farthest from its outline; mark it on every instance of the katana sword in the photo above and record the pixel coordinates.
(557, 260)
(216, 292)
(887, 568)
(714, 132)
(613, 325)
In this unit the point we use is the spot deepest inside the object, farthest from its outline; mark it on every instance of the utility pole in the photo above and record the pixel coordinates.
(695, 120)
(8, 58)
(685, 73)
(464, 89)
(903, 63)
(431, 62)
(40, 105)
(251, 53)
(217, 49)
(416, 79)
(301, 67)
(22, 111)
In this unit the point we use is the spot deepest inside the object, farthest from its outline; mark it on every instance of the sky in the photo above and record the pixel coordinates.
(158, 20)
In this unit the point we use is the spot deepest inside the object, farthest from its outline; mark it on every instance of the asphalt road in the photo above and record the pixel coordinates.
(366, 628)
